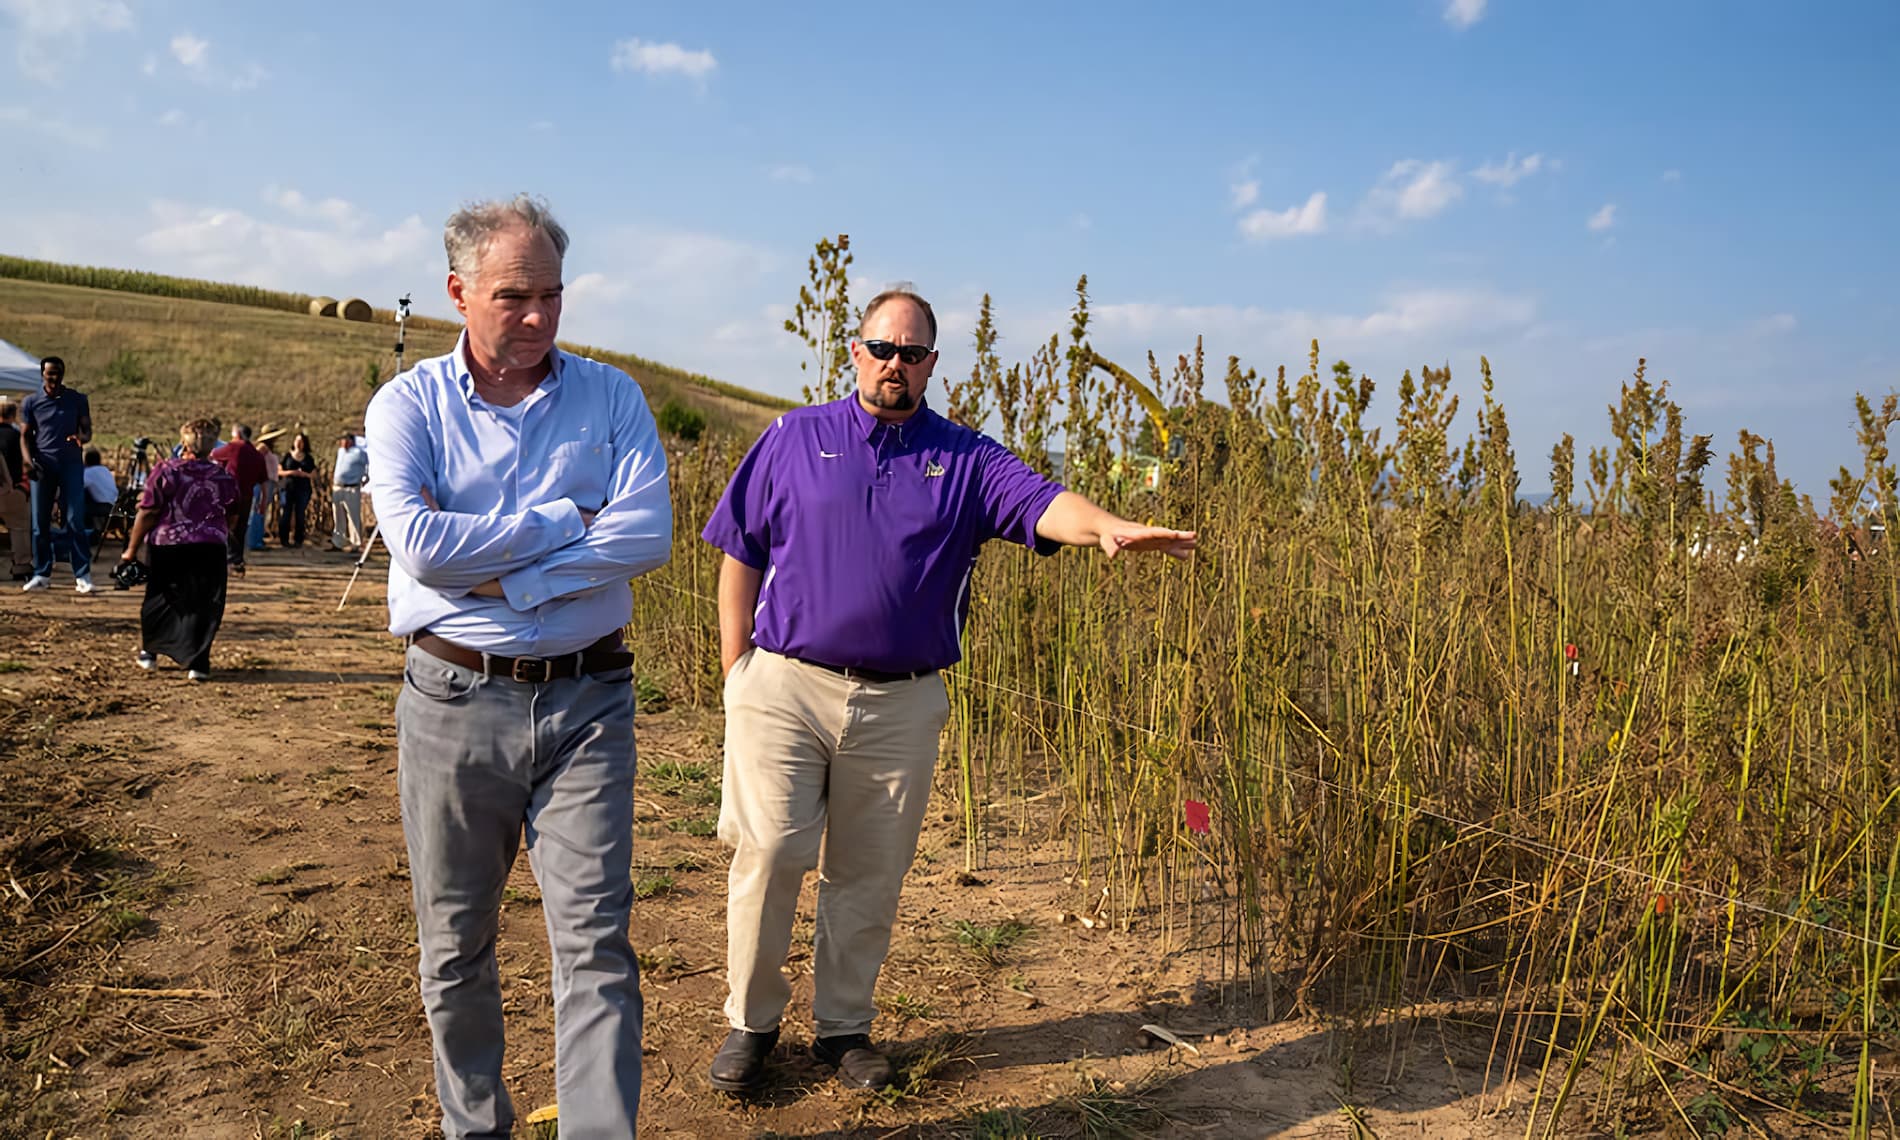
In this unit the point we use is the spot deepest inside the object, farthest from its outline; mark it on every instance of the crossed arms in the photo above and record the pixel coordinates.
(546, 551)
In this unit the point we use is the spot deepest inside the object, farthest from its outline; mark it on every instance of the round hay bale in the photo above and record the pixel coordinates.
(355, 309)
(323, 306)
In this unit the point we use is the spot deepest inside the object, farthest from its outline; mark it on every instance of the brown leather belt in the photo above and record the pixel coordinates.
(604, 656)
(875, 676)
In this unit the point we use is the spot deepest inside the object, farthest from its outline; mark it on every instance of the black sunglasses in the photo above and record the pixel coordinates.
(908, 353)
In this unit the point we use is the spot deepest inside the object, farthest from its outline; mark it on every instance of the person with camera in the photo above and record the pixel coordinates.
(298, 472)
(15, 510)
(58, 426)
(188, 511)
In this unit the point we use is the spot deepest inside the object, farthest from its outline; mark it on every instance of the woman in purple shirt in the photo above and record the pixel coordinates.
(189, 506)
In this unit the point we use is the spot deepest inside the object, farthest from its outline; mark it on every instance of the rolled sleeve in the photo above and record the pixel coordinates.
(447, 550)
(632, 534)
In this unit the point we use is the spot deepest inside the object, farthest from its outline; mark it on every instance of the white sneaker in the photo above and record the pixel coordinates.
(196, 675)
(38, 582)
(147, 662)
(83, 584)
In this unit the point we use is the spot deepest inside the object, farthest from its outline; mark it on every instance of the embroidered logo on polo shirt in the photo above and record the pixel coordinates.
(933, 469)
(823, 454)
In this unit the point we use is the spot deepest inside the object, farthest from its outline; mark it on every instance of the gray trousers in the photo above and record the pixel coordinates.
(481, 761)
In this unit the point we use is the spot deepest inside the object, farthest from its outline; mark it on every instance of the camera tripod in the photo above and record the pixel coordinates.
(126, 506)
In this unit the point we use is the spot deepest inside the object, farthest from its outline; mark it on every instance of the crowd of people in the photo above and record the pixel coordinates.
(58, 498)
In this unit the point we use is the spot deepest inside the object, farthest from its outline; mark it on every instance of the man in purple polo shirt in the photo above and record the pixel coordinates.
(850, 532)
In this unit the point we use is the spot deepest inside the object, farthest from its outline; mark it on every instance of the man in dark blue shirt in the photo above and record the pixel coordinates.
(56, 425)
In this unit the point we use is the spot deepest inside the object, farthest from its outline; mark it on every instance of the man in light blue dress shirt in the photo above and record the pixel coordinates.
(519, 488)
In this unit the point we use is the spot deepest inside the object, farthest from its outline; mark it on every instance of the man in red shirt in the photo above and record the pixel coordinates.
(246, 465)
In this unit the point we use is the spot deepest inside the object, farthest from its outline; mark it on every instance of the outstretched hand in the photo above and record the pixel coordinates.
(1133, 537)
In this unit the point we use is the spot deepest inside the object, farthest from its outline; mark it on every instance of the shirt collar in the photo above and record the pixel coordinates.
(868, 425)
(466, 379)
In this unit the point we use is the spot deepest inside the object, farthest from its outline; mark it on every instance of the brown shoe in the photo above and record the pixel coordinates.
(859, 1064)
(739, 1066)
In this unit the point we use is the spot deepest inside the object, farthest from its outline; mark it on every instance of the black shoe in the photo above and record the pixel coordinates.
(859, 1064)
(739, 1066)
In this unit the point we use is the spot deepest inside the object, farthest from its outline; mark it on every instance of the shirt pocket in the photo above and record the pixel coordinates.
(580, 470)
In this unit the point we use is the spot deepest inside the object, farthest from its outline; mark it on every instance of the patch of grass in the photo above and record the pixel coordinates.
(999, 1124)
(674, 778)
(693, 825)
(14, 666)
(1115, 1110)
(283, 874)
(907, 1007)
(659, 960)
(673, 861)
(653, 885)
(992, 942)
(648, 697)
(514, 895)
(918, 1063)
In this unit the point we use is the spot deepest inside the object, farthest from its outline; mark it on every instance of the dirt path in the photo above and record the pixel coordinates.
(206, 930)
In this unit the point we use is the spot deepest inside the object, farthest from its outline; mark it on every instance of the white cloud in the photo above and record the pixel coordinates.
(1265, 225)
(1245, 193)
(662, 59)
(1464, 13)
(1412, 189)
(48, 34)
(793, 172)
(172, 118)
(1407, 325)
(1672, 176)
(230, 245)
(191, 51)
(53, 127)
(335, 211)
(150, 67)
(1511, 171)
(1082, 222)
(1603, 219)
(1775, 324)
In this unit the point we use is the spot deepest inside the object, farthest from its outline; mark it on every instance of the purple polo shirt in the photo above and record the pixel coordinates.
(867, 532)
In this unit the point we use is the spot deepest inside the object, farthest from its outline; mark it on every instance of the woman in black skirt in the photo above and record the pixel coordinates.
(297, 470)
(188, 508)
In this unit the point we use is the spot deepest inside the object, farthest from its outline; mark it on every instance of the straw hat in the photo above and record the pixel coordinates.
(267, 433)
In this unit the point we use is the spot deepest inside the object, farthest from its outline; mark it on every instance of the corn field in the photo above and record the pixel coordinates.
(1621, 770)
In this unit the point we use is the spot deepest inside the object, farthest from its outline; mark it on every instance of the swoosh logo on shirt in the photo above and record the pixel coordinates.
(823, 454)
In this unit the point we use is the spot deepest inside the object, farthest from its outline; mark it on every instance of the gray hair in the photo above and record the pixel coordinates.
(244, 432)
(471, 228)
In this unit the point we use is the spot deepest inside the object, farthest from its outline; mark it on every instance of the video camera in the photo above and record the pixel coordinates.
(141, 443)
(402, 307)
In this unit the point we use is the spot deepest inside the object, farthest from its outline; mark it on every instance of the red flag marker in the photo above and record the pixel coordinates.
(1197, 816)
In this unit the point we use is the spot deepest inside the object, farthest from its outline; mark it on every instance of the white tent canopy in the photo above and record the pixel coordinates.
(18, 371)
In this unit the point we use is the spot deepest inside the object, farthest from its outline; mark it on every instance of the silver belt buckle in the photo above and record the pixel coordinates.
(531, 670)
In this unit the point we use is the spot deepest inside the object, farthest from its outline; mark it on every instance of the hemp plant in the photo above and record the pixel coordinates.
(823, 318)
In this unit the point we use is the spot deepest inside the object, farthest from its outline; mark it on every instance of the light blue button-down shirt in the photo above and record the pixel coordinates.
(510, 485)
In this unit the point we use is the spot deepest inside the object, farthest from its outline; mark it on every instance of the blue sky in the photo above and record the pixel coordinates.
(1562, 186)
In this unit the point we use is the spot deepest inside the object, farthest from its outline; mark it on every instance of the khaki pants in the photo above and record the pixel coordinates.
(346, 530)
(14, 511)
(809, 751)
